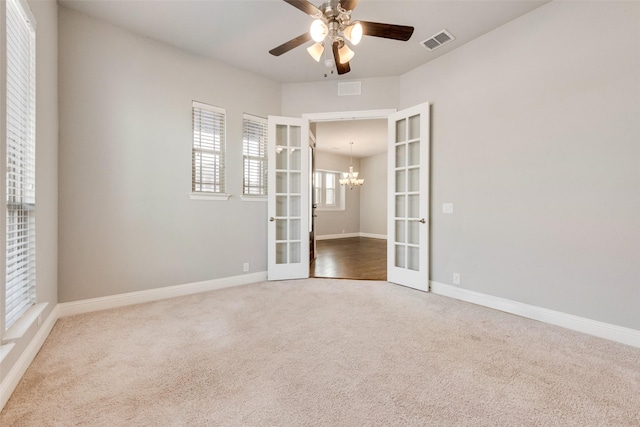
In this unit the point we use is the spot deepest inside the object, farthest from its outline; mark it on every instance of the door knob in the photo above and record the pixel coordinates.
(423, 220)
(271, 219)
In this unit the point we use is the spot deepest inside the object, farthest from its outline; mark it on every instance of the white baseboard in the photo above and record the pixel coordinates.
(10, 382)
(337, 236)
(130, 298)
(592, 327)
(346, 235)
(374, 236)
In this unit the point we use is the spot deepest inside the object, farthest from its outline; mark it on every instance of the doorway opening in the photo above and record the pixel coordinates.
(348, 225)
(407, 205)
(360, 258)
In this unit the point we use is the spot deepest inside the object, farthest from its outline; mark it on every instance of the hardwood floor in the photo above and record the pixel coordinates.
(360, 258)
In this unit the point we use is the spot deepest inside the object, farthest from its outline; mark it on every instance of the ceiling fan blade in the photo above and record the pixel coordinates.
(305, 6)
(341, 68)
(293, 43)
(387, 31)
(344, 68)
(349, 4)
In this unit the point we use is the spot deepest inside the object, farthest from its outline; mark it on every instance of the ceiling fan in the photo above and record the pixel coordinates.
(332, 25)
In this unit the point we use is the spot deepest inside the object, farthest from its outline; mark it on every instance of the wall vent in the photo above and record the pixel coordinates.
(437, 40)
(349, 88)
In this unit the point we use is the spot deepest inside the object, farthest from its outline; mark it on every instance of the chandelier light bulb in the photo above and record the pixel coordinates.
(318, 30)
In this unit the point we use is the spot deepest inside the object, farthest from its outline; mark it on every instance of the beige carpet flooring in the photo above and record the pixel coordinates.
(323, 352)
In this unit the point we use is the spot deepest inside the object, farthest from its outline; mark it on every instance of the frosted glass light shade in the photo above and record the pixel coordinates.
(345, 54)
(354, 32)
(318, 30)
(316, 51)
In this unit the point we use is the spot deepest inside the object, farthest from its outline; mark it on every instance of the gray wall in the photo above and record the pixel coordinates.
(45, 13)
(373, 195)
(334, 222)
(126, 221)
(366, 206)
(536, 142)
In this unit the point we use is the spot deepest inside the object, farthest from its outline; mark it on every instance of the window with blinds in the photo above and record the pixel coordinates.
(328, 195)
(208, 173)
(254, 153)
(20, 280)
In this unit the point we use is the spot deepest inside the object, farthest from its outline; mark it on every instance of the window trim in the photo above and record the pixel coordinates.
(339, 190)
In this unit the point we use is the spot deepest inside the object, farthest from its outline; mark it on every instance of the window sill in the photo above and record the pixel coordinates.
(5, 349)
(324, 209)
(18, 329)
(209, 196)
(248, 198)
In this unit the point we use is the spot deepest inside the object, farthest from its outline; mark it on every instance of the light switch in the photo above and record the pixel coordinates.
(447, 208)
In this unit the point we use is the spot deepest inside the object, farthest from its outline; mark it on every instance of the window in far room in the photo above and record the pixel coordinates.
(328, 193)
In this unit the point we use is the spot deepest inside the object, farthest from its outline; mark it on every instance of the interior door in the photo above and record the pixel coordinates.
(288, 199)
(408, 198)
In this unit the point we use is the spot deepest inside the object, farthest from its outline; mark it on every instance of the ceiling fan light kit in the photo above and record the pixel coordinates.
(316, 51)
(318, 30)
(332, 24)
(346, 54)
(353, 33)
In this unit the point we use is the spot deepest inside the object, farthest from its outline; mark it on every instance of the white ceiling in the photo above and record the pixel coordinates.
(241, 32)
(369, 137)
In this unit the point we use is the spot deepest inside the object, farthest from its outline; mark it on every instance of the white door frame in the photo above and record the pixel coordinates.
(349, 115)
(363, 115)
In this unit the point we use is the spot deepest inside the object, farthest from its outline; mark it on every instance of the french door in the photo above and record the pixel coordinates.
(408, 198)
(288, 199)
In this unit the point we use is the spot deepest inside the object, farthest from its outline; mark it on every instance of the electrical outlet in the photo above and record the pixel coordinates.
(245, 267)
(447, 208)
(456, 278)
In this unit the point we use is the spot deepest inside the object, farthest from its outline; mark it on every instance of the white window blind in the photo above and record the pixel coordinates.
(20, 280)
(207, 172)
(254, 153)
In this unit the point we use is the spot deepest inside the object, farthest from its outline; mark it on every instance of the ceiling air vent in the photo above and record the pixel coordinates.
(349, 88)
(437, 40)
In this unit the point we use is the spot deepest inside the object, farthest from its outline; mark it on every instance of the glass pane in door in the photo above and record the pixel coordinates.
(407, 193)
(288, 197)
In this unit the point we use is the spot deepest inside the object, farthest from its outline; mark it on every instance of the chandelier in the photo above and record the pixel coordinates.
(351, 178)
